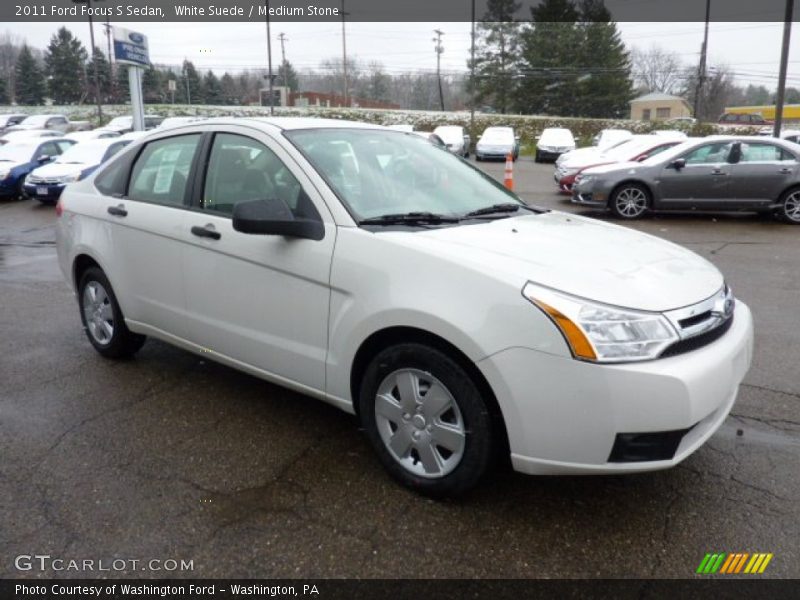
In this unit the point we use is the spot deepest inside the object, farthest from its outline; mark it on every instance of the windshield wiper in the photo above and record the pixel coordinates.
(409, 218)
(506, 207)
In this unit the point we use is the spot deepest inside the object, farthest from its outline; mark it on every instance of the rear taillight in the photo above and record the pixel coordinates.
(59, 208)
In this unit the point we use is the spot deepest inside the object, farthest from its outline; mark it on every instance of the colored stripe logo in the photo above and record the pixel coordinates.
(734, 563)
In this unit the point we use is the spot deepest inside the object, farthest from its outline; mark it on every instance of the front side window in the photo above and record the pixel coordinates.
(63, 146)
(709, 154)
(378, 172)
(241, 169)
(161, 172)
(48, 149)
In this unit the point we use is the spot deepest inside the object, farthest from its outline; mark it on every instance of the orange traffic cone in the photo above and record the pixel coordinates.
(508, 179)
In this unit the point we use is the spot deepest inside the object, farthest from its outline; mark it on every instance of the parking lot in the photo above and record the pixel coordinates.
(170, 456)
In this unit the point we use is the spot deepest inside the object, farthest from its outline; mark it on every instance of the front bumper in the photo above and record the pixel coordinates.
(49, 193)
(563, 415)
(586, 199)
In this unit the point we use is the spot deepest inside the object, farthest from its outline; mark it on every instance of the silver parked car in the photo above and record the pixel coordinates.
(719, 173)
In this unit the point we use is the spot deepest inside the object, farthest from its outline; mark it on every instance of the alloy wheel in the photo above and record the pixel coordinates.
(631, 202)
(791, 207)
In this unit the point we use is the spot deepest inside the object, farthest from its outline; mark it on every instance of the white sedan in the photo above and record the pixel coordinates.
(376, 272)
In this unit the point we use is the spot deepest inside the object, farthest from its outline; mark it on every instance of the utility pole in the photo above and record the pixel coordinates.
(344, 58)
(282, 37)
(186, 81)
(787, 34)
(472, 75)
(701, 70)
(94, 62)
(111, 62)
(269, 61)
(439, 49)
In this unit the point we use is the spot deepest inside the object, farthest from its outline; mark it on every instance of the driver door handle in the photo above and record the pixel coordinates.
(719, 172)
(785, 171)
(206, 232)
(118, 210)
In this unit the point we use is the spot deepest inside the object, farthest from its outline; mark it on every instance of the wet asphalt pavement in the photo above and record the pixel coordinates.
(169, 456)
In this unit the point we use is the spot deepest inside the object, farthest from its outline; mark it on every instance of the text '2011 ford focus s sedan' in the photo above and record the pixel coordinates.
(379, 273)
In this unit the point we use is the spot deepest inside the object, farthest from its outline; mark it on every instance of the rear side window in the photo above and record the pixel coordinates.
(161, 172)
(751, 153)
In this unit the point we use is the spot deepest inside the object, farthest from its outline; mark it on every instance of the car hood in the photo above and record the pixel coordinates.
(59, 169)
(581, 256)
(578, 154)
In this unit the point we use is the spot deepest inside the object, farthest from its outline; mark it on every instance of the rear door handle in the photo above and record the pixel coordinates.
(118, 210)
(206, 232)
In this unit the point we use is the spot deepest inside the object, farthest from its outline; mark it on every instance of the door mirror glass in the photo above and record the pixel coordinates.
(273, 217)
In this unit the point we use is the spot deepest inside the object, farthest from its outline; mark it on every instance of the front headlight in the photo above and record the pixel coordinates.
(600, 332)
(4, 174)
(70, 178)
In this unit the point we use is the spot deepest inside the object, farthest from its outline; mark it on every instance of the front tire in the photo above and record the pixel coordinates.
(789, 210)
(629, 201)
(102, 318)
(426, 419)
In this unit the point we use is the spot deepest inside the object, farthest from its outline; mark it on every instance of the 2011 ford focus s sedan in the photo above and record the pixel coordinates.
(386, 276)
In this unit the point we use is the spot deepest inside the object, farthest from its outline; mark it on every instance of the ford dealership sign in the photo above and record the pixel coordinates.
(130, 47)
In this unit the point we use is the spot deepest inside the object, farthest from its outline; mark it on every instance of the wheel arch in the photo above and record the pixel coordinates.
(390, 336)
(80, 264)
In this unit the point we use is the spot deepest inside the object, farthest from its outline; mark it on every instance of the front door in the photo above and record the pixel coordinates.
(703, 181)
(261, 300)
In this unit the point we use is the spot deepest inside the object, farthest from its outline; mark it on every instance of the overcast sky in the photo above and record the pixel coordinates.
(751, 50)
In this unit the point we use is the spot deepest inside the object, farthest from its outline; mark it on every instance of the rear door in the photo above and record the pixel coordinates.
(704, 181)
(146, 203)
(763, 172)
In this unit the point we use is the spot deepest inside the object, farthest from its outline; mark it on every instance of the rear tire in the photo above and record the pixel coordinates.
(102, 318)
(538, 157)
(629, 201)
(426, 419)
(789, 210)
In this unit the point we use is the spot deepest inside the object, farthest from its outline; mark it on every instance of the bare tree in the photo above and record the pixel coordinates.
(657, 70)
(717, 92)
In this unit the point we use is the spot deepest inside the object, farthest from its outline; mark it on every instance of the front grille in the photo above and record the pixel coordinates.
(645, 447)
(698, 341)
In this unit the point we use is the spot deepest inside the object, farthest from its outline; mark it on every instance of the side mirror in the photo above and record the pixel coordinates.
(44, 158)
(538, 137)
(678, 164)
(273, 217)
(641, 157)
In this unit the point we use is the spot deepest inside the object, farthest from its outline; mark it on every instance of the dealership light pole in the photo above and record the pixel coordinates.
(787, 34)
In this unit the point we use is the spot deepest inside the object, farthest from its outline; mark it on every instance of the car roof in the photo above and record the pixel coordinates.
(285, 123)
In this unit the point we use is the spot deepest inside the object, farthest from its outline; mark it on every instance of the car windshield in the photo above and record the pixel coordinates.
(558, 137)
(121, 122)
(500, 135)
(378, 172)
(86, 153)
(36, 120)
(450, 134)
(17, 153)
(671, 153)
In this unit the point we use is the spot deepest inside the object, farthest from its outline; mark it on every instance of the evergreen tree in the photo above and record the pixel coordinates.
(230, 93)
(3, 91)
(123, 87)
(103, 75)
(212, 89)
(602, 86)
(29, 83)
(497, 56)
(153, 85)
(65, 58)
(376, 84)
(287, 76)
(189, 91)
(549, 59)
